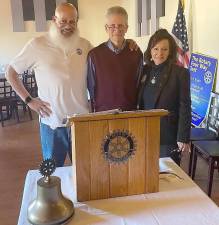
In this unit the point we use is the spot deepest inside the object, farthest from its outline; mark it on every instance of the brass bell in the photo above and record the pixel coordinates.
(50, 206)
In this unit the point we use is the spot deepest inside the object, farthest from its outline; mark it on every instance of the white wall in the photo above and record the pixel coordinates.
(206, 29)
(92, 19)
(205, 19)
(11, 42)
(202, 20)
(91, 24)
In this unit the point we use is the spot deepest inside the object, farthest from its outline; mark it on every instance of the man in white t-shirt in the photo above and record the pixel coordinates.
(58, 59)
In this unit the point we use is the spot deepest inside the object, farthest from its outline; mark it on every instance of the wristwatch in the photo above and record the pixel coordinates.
(27, 100)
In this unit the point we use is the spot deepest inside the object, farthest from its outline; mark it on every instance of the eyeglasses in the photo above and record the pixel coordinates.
(116, 26)
(65, 22)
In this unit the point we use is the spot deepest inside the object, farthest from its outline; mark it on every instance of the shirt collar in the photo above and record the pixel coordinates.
(109, 44)
(159, 68)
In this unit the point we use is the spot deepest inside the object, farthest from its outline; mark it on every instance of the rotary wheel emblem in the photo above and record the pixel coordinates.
(118, 146)
(47, 167)
(208, 77)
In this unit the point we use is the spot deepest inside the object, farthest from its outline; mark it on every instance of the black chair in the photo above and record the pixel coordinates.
(210, 133)
(209, 149)
(8, 101)
(29, 82)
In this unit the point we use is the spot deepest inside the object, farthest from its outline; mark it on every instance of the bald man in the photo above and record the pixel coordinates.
(58, 59)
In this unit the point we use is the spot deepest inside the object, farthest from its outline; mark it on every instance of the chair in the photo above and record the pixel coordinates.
(8, 101)
(29, 82)
(209, 149)
(209, 133)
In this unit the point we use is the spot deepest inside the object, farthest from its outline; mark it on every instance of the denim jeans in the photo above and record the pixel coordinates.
(55, 143)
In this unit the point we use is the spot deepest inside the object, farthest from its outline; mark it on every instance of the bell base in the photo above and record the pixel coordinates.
(52, 223)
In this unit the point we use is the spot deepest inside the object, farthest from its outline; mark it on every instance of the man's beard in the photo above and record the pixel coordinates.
(67, 44)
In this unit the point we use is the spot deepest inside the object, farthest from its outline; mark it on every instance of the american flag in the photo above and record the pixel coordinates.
(179, 32)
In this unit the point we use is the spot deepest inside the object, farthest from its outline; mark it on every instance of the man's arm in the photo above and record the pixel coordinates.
(41, 107)
(91, 82)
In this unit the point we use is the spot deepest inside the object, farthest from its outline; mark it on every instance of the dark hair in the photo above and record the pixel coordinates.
(158, 36)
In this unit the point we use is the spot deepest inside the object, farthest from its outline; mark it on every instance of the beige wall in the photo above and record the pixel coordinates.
(92, 19)
(165, 22)
(204, 25)
(10, 42)
(91, 26)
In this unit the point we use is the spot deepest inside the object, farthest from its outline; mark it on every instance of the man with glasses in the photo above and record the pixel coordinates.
(59, 61)
(113, 69)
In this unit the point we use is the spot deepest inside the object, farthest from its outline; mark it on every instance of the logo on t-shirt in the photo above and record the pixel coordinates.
(79, 51)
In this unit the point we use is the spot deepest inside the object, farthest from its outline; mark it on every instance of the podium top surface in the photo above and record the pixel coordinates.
(117, 114)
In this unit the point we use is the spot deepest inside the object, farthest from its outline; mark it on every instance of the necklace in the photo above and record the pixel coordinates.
(154, 79)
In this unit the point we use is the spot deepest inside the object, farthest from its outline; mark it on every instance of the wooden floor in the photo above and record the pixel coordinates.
(20, 151)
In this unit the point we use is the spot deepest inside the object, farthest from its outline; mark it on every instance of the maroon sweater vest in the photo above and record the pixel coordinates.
(115, 78)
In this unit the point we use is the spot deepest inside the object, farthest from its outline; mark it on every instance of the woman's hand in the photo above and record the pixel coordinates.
(184, 147)
(41, 107)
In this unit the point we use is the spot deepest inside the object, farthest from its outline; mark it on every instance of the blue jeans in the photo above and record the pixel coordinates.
(56, 143)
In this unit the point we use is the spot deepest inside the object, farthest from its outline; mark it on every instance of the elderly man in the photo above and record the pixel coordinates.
(113, 70)
(59, 61)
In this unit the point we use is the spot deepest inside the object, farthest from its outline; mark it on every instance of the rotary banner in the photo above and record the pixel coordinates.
(202, 70)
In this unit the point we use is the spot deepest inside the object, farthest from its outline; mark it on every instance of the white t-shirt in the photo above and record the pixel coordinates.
(61, 78)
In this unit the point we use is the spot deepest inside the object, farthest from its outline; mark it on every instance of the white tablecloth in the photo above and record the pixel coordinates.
(178, 202)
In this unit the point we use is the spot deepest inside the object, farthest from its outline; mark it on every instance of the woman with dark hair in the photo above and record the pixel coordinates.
(164, 85)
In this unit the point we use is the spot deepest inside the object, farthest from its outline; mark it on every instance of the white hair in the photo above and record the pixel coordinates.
(118, 10)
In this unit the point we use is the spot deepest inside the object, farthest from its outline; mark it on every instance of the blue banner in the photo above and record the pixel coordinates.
(202, 70)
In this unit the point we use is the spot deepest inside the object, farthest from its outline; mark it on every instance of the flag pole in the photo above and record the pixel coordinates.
(183, 4)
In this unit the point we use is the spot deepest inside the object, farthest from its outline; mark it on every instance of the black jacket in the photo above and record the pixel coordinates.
(173, 95)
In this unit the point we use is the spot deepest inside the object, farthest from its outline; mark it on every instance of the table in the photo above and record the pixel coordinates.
(178, 202)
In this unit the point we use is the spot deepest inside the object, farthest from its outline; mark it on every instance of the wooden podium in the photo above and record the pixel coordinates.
(115, 154)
